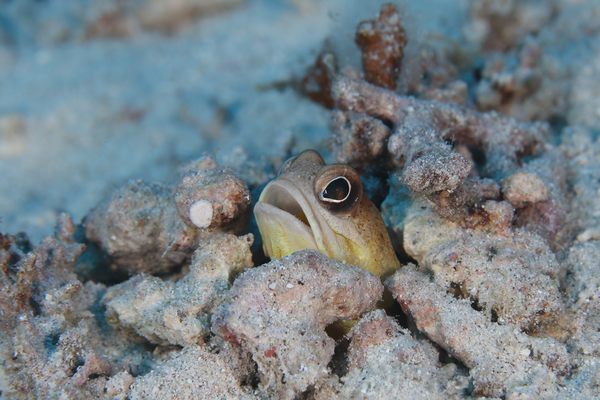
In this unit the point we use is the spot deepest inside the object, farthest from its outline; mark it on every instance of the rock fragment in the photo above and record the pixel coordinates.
(512, 277)
(153, 228)
(501, 359)
(117, 387)
(192, 373)
(209, 196)
(385, 361)
(522, 188)
(435, 171)
(266, 314)
(358, 139)
(178, 313)
(543, 207)
(139, 228)
(475, 204)
(55, 342)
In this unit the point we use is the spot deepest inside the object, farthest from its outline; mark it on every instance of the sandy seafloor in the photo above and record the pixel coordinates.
(96, 93)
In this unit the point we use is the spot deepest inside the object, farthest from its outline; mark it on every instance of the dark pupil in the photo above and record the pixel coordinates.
(337, 189)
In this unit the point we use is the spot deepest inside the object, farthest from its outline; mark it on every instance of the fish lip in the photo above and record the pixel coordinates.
(263, 212)
(294, 193)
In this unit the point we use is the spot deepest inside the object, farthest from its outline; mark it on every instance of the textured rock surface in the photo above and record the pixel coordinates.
(583, 265)
(500, 358)
(192, 373)
(512, 278)
(140, 229)
(204, 182)
(153, 228)
(178, 313)
(387, 361)
(582, 147)
(55, 342)
(266, 314)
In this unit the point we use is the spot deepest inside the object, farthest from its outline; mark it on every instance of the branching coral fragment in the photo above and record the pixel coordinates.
(424, 127)
(501, 25)
(382, 44)
(316, 83)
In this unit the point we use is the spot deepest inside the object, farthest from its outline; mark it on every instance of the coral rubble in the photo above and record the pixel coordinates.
(512, 278)
(152, 228)
(55, 341)
(501, 26)
(192, 373)
(358, 139)
(178, 313)
(140, 229)
(501, 360)
(422, 129)
(486, 154)
(209, 196)
(266, 314)
(386, 361)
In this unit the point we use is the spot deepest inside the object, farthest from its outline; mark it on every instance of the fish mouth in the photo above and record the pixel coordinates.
(286, 220)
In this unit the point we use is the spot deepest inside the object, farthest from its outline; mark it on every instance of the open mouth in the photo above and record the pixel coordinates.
(285, 220)
(280, 197)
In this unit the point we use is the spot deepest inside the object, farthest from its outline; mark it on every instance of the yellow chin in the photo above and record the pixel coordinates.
(282, 234)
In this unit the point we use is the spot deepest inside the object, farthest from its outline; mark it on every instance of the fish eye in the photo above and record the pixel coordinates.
(338, 188)
(336, 191)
